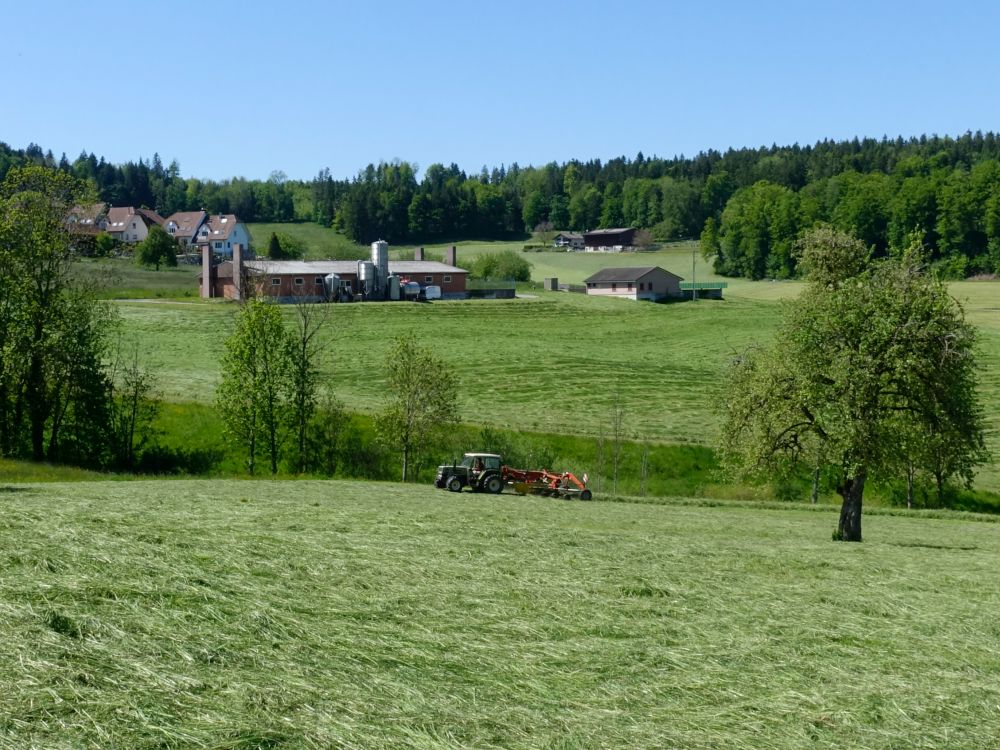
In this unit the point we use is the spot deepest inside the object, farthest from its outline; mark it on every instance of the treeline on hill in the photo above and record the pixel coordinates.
(748, 206)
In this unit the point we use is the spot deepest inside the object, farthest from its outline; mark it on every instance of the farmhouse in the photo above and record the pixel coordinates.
(184, 226)
(609, 240)
(317, 281)
(569, 240)
(639, 282)
(130, 224)
(221, 233)
(89, 219)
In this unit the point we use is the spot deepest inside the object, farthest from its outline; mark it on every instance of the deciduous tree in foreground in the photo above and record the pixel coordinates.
(871, 368)
(420, 406)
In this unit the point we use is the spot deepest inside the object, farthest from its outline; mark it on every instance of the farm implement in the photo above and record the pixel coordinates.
(486, 472)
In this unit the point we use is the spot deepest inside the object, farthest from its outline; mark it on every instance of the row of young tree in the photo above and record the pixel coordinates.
(279, 406)
(70, 392)
(749, 205)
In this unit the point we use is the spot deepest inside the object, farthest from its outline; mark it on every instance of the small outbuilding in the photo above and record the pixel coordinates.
(636, 282)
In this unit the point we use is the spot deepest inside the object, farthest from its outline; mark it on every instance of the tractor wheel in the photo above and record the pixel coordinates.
(455, 484)
(493, 484)
(586, 495)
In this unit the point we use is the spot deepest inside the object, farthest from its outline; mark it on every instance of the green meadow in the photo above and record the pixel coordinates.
(234, 614)
(550, 363)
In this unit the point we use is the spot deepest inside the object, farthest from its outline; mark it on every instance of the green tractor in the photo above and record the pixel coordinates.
(483, 472)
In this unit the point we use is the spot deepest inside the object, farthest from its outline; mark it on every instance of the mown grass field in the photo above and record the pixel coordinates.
(339, 614)
(554, 363)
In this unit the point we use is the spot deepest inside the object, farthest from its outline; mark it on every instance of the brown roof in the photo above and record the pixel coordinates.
(187, 222)
(219, 227)
(151, 217)
(631, 273)
(88, 215)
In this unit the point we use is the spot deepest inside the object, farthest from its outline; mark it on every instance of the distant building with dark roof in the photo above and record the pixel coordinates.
(636, 282)
(609, 240)
(184, 225)
(572, 240)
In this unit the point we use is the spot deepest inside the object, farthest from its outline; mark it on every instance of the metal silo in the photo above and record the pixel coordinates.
(367, 278)
(380, 259)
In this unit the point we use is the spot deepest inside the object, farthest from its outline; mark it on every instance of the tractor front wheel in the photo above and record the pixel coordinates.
(455, 484)
(586, 495)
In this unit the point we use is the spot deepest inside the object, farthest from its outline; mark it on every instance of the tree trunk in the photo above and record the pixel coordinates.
(815, 486)
(853, 490)
(909, 487)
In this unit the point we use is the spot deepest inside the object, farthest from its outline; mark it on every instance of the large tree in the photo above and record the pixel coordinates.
(420, 406)
(871, 367)
(158, 247)
(53, 385)
(254, 395)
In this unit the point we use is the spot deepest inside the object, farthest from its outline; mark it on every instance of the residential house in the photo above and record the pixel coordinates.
(569, 240)
(184, 226)
(221, 233)
(130, 224)
(89, 219)
(637, 282)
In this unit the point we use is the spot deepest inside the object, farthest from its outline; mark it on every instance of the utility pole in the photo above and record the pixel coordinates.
(694, 282)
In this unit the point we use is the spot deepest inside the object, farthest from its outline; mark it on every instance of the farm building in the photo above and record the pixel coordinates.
(638, 282)
(88, 220)
(315, 281)
(569, 240)
(609, 240)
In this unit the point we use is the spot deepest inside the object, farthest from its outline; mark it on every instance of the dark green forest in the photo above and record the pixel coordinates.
(748, 206)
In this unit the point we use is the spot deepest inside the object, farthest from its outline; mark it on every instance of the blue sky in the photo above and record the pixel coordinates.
(244, 88)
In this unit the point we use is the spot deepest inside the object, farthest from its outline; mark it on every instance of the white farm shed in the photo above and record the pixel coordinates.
(638, 282)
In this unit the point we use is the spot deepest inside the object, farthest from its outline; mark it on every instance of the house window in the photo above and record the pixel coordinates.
(630, 286)
(319, 281)
(218, 245)
(446, 279)
(299, 281)
(428, 279)
(275, 281)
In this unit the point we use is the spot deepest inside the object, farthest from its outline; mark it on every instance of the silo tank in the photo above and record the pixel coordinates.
(380, 259)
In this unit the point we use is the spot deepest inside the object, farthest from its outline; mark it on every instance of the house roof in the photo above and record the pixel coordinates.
(151, 217)
(570, 235)
(632, 273)
(187, 222)
(89, 214)
(119, 217)
(401, 267)
(218, 227)
(599, 232)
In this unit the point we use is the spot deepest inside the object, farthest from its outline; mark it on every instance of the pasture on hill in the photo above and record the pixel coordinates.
(237, 614)
(554, 363)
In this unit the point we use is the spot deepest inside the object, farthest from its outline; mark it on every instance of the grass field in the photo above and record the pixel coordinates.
(553, 363)
(339, 614)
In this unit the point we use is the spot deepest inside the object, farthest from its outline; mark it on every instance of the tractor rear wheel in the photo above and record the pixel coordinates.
(493, 484)
(455, 484)
(586, 495)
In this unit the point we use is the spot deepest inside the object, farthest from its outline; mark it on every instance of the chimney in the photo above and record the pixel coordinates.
(237, 271)
(207, 272)
(450, 256)
(418, 254)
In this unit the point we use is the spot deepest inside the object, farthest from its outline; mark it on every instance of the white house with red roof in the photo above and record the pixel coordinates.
(130, 224)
